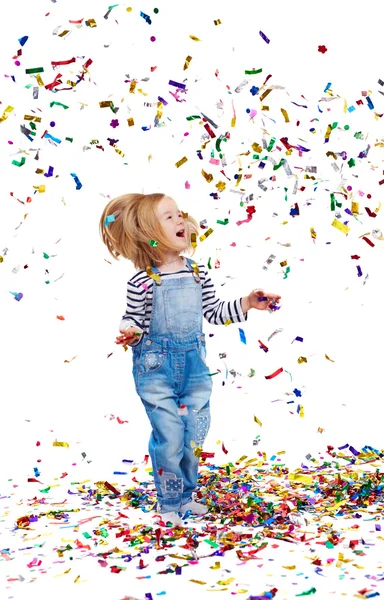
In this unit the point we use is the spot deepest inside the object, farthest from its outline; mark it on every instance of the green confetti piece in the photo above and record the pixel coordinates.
(45, 491)
(329, 545)
(211, 543)
(311, 591)
(282, 161)
(225, 222)
(192, 117)
(253, 72)
(45, 255)
(19, 164)
(86, 535)
(58, 104)
(36, 70)
(271, 144)
(69, 140)
(104, 532)
(351, 163)
(209, 263)
(153, 243)
(287, 270)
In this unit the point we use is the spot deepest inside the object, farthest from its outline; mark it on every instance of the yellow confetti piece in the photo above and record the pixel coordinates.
(285, 115)
(181, 161)
(257, 420)
(39, 188)
(340, 226)
(187, 62)
(228, 322)
(215, 566)
(357, 566)
(355, 208)
(194, 38)
(32, 118)
(301, 360)
(207, 176)
(91, 23)
(206, 234)
(327, 357)
(233, 122)
(289, 567)
(39, 80)
(61, 444)
(131, 122)
(221, 185)
(378, 208)
(196, 580)
(300, 478)
(226, 582)
(301, 411)
(265, 94)
(257, 148)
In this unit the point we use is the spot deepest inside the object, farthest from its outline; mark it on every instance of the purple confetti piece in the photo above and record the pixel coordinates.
(264, 37)
(178, 570)
(343, 447)
(355, 452)
(298, 338)
(50, 172)
(176, 84)
(378, 527)
(359, 271)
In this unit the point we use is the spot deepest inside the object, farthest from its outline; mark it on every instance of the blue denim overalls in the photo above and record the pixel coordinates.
(169, 370)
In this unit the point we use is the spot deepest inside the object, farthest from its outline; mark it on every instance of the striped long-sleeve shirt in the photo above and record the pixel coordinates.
(140, 295)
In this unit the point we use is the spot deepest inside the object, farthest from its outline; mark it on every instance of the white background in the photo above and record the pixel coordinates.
(323, 300)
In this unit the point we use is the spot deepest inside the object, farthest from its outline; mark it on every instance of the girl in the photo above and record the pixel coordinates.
(166, 300)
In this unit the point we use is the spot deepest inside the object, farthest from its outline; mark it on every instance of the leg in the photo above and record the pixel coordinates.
(197, 424)
(166, 452)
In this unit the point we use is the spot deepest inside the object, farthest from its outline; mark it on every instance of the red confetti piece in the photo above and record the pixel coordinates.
(111, 488)
(223, 448)
(274, 374)
(120, 421)
(368, 241)
(160, 471)
(370, 213)
(322, 49)
(355, 256)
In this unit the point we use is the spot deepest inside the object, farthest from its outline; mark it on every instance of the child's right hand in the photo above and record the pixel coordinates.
(129, 336)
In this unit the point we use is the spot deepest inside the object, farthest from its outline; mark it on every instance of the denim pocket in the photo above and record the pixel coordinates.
(152, 359)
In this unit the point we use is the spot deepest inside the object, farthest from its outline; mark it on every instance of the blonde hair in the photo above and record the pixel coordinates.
(135, 224)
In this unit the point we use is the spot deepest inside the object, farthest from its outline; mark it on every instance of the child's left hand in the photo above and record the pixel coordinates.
(262, 300)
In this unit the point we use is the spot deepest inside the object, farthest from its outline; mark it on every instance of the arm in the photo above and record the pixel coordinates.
(218, 312)
(135, 312)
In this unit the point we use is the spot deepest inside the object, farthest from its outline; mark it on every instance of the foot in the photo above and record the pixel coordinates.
(195, 508)
(172, 517)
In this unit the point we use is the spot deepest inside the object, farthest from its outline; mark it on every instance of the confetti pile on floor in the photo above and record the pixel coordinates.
(322, 510)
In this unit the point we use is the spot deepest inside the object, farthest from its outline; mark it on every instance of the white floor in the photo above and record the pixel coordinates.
(32, 566)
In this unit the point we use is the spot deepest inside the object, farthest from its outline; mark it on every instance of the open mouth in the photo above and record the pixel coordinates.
(180, 234)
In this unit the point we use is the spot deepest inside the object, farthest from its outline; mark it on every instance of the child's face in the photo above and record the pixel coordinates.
(172, 223)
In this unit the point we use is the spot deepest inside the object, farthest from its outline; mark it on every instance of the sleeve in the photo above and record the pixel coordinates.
(135, 312)
(218, 312)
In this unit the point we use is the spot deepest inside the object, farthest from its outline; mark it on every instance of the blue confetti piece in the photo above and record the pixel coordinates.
(297, 392)
(79, 185)
(50, 137)
(369, 102)
(242, 336)
(50, 172)
(351, 109)
(22, 40)
(298, 338)
(359, 271)
(327, 86)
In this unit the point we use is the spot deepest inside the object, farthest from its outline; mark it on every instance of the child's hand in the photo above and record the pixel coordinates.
(262, 300)
(129, 336)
